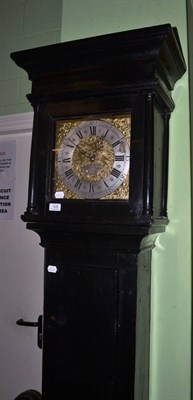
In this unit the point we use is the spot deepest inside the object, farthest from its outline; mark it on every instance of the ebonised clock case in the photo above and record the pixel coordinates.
(97, 302)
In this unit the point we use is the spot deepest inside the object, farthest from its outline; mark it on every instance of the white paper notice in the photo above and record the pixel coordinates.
(7, 178)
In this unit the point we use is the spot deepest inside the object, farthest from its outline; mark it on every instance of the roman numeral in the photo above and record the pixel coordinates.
(115, 172)
(78, 184)
(93, 130)
(116, 143)
(106, 184)
(72, 143)
(79, 134)
(69, 173)
(119, 158)
(121, 140)
(91, 188)
(66, 160)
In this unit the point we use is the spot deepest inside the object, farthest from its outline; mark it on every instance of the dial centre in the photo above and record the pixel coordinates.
(93, 159)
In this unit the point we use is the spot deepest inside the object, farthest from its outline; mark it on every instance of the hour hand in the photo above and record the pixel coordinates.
(83, 152)
(91, 156)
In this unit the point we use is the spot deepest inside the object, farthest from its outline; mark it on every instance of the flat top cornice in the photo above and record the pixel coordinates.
(143, 54)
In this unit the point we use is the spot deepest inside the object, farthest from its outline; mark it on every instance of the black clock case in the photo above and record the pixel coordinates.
(97, 303)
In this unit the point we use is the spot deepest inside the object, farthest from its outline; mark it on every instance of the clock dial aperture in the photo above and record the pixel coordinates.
(92, 160)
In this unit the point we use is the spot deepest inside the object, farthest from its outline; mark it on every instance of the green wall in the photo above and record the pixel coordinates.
(31, 23)
(171, 264)
(23, 24)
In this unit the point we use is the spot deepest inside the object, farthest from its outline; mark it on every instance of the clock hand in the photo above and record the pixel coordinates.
(91, 156)
(85, 153)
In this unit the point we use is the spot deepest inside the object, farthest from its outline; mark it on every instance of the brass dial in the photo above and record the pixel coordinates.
(93, 160)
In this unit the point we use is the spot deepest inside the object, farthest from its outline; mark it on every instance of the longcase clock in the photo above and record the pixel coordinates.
(97, 198)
